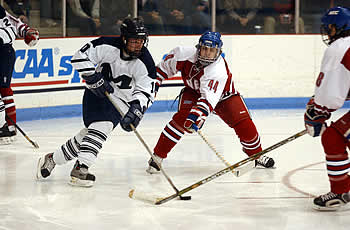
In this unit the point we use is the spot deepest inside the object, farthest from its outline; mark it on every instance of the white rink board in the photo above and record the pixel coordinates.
(262, 66)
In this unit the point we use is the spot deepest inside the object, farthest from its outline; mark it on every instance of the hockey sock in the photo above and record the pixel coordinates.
(170, 136)
(2, 113)
(338, 163)
(248, 136)
(10, 108)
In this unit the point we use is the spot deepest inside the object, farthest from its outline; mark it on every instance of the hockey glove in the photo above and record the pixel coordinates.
(31, 37)
(195, 119)
(132, 117)
(98, 85)
(315, 122)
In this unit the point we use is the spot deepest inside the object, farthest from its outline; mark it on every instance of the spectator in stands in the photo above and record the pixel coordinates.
(149, 11)
(239, 16)
(112, 14)
(85, 15)
(50, 12)
(176, 16)
(201, 19)
(281, 17)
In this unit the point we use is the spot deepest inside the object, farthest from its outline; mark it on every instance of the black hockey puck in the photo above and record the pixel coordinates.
(185, 197)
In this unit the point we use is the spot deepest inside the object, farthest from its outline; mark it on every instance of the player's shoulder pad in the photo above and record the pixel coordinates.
(183, 52)
(148, 61)
(112, 41)
(2, 12)
(218, 68)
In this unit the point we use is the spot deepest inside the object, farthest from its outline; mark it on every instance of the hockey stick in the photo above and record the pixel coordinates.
(159, 201)
(132, 193)
(23, 133)
(239, 171)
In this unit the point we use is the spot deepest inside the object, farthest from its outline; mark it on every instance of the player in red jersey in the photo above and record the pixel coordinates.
(331, 91)
(208, 88)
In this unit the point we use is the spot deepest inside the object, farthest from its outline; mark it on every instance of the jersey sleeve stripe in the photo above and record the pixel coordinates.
(346, 60)
(86, 70)
(79, 60)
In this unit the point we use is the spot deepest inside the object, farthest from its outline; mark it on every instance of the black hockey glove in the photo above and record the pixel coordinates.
(98, 85)
(132, 117)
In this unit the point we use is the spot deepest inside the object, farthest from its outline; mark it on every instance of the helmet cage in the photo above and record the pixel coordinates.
(210, 40)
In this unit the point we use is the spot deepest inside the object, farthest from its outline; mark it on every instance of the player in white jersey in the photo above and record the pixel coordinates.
(10, 29)
(208, 87)
(331, 91)
(121, 66)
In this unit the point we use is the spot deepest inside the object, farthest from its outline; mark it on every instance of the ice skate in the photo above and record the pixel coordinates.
(5, 135)
(80, 176)
(153, 167)
(45, 166)
(13, 132)
(265, 161)
(331, 201)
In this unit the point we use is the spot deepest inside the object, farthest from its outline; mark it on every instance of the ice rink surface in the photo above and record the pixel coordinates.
(278, 198)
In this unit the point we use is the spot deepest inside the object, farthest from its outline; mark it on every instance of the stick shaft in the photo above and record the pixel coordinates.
(23, 133)
(143, 143)
(230, 168)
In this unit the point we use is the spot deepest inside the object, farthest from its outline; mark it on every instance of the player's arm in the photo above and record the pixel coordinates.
(85, 60)
(8, 31)
(211, 90)
(166, 68)
(144, 92)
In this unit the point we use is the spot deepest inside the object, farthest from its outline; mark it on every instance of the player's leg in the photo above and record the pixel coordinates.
(335, 139)
(6, 68)
(10, 108)
(234, 113)
(174, 130)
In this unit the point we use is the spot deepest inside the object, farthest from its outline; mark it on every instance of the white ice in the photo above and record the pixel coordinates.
(277, 198)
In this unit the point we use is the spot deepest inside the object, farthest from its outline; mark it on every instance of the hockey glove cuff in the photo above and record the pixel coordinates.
(195, 119)
(132, 117)
(315, 122)
(98, 85)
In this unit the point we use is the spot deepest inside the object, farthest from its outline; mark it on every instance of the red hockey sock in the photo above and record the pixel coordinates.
(249, 137)
(10, 108)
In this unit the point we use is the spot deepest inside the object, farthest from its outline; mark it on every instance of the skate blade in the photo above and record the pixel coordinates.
(38, 169)
(76, 182)
(151, 170)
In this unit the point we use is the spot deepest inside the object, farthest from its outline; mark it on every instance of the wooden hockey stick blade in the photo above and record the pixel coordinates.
(231, 168)
(244, 168)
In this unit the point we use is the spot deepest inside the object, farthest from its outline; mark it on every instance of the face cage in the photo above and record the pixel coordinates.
(136, 53)
(325, 31)
(207, 61)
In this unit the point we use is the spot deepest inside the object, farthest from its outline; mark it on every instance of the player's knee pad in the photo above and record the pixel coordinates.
(333, 142)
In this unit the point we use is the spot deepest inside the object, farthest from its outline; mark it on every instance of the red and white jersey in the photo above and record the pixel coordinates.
(10, 27)
(212, 82)
(333, 82)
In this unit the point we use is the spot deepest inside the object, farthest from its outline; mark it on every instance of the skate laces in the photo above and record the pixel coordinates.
(328, 196)
(49, 164)
(263, 160)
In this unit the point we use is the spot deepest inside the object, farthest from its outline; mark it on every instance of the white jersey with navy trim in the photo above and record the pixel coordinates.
(132, 79)
(10, 27)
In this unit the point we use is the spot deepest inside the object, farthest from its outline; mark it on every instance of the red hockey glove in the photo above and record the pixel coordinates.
(315, 120)
(31, 37)
(195, 119)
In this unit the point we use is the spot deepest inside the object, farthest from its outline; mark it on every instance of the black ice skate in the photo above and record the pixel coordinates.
(5, 135)
(45, 166)
(331, 201)
(153, 167)
(80, 176)
(265, 161)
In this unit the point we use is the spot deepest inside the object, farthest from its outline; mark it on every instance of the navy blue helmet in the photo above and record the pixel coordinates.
(336, 19)
(211, 40)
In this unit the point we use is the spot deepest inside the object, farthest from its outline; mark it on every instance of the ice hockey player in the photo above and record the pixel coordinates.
(208, 87)
(126, 70)
(10, 28)
(331, 91)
